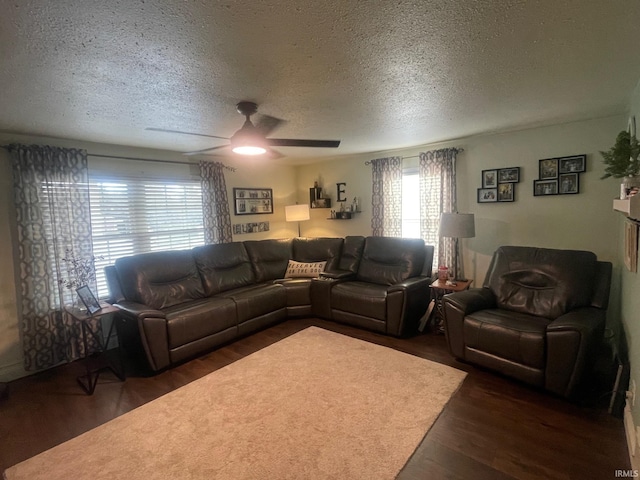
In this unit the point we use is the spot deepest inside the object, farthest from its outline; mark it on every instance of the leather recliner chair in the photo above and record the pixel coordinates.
(539, 316)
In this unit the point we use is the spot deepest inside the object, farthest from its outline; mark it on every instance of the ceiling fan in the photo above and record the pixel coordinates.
(252, 139)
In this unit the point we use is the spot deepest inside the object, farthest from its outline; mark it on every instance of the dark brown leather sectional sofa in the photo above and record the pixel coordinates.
(183, 303)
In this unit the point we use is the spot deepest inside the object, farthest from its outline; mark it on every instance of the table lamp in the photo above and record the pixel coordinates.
(456, 226)
(296, 213)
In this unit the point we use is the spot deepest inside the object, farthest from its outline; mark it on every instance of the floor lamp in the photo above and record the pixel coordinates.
(456, 226)
(296, 213)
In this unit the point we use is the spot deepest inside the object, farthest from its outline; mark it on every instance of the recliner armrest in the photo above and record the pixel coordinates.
(472, 300)
(572, 343)
(411, 283)
(139, 310)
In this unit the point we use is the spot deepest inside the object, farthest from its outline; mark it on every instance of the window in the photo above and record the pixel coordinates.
(132, 215)
(410, 203)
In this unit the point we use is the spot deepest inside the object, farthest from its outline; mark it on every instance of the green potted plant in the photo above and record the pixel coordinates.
(621, 160)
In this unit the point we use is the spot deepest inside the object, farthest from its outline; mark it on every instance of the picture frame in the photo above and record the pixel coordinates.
(573, 164)
(545, 187)
(631, 245)
(252, 201)
(509, 175)
(506, 192)
(487, 195)
(569, 183)
(89, 299)
(548, 168)
(490, 178)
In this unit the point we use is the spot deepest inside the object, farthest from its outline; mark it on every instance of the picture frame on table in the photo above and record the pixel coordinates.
(89, 299)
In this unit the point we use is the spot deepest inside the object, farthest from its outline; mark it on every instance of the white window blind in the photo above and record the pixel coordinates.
(410, 203)
(131, 215)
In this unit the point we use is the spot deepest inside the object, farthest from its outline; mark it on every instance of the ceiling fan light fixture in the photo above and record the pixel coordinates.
(249, 150)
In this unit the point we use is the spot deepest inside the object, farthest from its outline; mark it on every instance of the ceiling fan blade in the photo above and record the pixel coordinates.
(274, 154)
(287, 142)
(206, 150)
(183, 133)
(267, 124)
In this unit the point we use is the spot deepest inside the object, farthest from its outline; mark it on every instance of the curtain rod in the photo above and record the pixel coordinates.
(176, 162)
(458, 150)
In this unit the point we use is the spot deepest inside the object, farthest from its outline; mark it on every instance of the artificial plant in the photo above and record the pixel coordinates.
(621, 160)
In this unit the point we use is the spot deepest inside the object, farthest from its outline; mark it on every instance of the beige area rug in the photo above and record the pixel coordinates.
(315, 405)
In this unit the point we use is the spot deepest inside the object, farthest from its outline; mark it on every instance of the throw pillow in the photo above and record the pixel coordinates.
(304, 269)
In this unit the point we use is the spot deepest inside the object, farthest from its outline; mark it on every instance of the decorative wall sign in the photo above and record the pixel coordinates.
(253, 227)
(559, 176)
(499, 185)
(252, 201)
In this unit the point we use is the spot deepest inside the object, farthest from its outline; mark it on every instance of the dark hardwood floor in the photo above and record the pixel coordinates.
(493, 427)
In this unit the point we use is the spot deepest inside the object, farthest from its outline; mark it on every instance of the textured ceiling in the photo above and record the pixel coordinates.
(377, 74)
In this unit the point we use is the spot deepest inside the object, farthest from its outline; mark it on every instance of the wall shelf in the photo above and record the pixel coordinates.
(350, 217)
(629, 206)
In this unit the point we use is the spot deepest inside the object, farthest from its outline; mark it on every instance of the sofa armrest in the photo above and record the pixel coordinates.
(139, 310)
(338, 275)
(572, 342)
(407, 302)
(458, 305)
(412, 283)
(152, 326)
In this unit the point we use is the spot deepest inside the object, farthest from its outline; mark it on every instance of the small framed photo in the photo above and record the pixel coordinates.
(89, 300)
(548, 168)
(489, 178)
(487, 195)
(252, 201)
(569, 183)
(506, 192)
(509, 175)
(575, 164)
(545, 187)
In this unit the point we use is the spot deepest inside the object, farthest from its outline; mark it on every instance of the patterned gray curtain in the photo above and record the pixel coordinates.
(386, 199)
(215, 203)
(51, 192)
(437, 195)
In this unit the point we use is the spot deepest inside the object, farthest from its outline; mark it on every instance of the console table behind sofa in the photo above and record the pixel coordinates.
(183, 303)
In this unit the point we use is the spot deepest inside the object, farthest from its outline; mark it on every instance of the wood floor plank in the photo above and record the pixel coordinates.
(493, 427)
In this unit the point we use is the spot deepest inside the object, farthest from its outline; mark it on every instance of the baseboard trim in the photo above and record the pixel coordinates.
(632, 438)
(13, 371)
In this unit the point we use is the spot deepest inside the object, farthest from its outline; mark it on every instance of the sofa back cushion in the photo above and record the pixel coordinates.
(351, 253)
(389, 260)
(540, 281)
(160, 279)
(310, 250)
(269, 258)
(223, 266)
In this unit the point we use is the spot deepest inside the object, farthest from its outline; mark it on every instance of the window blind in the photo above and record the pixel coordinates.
(131, 215)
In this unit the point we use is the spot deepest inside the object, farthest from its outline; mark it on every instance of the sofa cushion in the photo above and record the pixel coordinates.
(304, 269)
(257, 300)
(388, 260)
(362, 298)
(317, 250)
(269, 258)
(190, 322)
(517, 337)
(223, 266)
(540, 281)
(351, 253)
(160, 279)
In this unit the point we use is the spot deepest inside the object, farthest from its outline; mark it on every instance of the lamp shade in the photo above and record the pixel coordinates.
(457, 225)
(296, 213)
